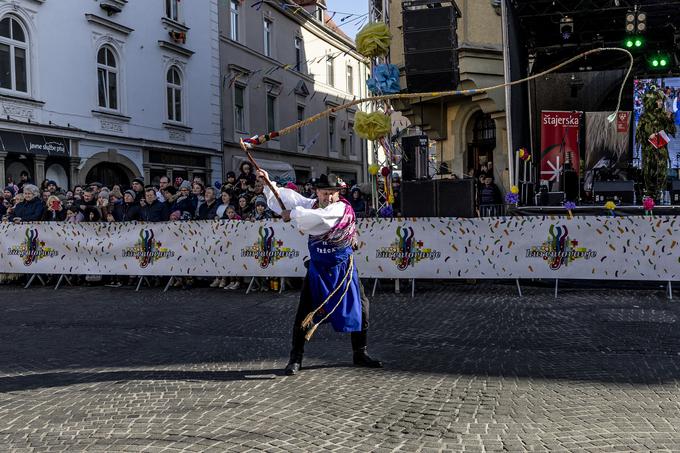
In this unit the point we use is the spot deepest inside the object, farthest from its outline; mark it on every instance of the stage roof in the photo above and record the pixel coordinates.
(597, 23)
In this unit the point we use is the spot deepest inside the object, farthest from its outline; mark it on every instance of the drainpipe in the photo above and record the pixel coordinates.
(508, 104)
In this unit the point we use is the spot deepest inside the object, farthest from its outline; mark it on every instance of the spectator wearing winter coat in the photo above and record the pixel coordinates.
(358, 203)
(243, 209)
(55, 212)
(225, 201)
(129, 210)
(138, 189)
(208, 209)
(31, 208)
(153, 210)
(261, 212)
(184, 203)
(247, 173)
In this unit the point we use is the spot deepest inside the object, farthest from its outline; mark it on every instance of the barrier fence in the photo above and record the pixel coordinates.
(626, 248)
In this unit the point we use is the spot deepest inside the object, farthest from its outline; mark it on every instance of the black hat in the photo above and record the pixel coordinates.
(139, 180)
(327, 182)
(231, 174)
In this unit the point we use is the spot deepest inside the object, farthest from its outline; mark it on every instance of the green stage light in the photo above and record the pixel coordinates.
(638, 42)
(663, 62)
(629, 43)
(655, 62)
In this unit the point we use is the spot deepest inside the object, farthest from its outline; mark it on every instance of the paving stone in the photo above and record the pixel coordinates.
(468, 368)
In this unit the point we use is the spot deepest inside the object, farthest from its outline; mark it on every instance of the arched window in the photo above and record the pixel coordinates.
(107, 78)
(174, 94)
(13, 55)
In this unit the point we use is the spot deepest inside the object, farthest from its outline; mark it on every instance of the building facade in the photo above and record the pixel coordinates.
(471, 131)
(109, 90)
(282, 62)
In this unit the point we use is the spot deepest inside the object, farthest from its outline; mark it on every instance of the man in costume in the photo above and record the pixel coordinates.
(332, 291)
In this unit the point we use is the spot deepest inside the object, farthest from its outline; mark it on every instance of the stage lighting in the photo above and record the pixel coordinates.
(566, 27)
(634, 42)
(659, 61)
(630, 22)
(641, 22)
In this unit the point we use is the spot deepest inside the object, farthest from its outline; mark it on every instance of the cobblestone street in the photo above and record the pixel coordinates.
(468, 368)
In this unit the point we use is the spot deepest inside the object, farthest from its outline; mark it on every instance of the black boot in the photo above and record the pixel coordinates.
(361, 358)
(294, 364)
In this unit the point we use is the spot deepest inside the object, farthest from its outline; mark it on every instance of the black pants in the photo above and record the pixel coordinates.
(308, 304)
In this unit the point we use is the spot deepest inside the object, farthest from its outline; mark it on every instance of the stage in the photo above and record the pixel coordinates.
(592, 210)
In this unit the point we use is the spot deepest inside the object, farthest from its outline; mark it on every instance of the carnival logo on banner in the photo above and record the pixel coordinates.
(147, 250)
(559, 250)
(32, 249)
(268, 250)
(406, 251)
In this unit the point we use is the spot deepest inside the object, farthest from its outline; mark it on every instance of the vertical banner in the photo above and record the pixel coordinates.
(559, 143)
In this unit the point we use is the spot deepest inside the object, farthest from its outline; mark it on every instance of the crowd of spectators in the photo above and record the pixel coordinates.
(239, 198)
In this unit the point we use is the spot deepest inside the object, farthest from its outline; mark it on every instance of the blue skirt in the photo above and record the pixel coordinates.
(328, 267)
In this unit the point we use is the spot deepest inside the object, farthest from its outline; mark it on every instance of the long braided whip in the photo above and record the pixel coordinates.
(258, 140)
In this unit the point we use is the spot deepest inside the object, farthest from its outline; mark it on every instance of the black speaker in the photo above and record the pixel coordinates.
(675, 193)
(455, 197)
(620, 192)
(418, 199)
(430, 45)
(414, 164)
(571, 185)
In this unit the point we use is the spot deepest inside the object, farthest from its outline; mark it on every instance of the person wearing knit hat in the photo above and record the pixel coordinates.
(138, 187)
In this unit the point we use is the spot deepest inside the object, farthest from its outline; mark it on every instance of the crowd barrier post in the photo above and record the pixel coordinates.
(556, 284)
(413, 288)
(169, 284)
(519, 288)
(33, 277)
(250, 285)
(141, 280)
(62, 277)
(670, 290)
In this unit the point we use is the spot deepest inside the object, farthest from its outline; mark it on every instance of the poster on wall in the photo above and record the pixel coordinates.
(608, 147)
(559, 143)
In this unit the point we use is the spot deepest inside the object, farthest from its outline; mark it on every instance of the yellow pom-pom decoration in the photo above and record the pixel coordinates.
(374, 40)
(373, 169)
(390, 199)
(372, 126)
(514, 189)
(610, 205)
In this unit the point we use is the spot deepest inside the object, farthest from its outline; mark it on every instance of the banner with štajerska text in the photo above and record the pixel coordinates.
(626, 248)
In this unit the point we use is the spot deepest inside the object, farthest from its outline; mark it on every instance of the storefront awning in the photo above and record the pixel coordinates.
(279, 171)
(19, 142)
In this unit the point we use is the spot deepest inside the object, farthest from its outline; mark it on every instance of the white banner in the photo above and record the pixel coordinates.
(626, 248)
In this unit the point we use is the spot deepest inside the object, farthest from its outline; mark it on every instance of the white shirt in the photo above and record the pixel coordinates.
(310, 221)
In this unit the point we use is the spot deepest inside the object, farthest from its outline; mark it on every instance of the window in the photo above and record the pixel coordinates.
(298, 54)
(239, 108)
(174, 94)
(330, 79)
(331, 133)
(319, 13)
(300, 133)
(343, 146)
(107, 78)
(350, 79)
(234, 20)
(271, 113)
(352, 151)
(268, 37)
(13, 56)
(172, 9)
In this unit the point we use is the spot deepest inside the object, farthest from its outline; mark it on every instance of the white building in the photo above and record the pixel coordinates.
(284, 61)
(109, 90)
